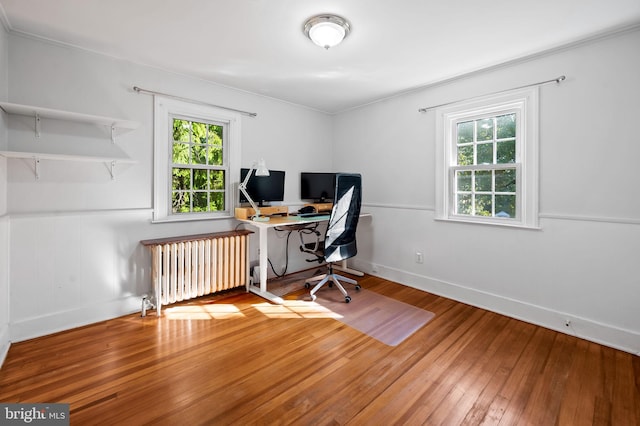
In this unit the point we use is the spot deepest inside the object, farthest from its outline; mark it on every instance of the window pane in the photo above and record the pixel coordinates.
(506, 152)
(215, 156)
(465, 155)
(180, 202)
(464, 204)
(200, 180)
(216, 179)
(215, 135)
(199, 132)
(200, 202)
(181, 179)
(485, 129)
(483, 180)
(465, 132)
(506, 126)
(483, 205)
(485, 153)
(464, 180)
(199, 154)
(506, 180)
(180, 153)
(505, 206)
(216, 201)
(181, 130)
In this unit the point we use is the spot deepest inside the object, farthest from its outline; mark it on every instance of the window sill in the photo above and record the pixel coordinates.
(174, 219)
(489, 223)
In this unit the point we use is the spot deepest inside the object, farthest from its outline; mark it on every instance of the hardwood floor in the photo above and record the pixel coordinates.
(233, 359)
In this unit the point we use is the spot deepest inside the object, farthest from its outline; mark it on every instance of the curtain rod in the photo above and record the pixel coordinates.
(151, 92)
(555, 80)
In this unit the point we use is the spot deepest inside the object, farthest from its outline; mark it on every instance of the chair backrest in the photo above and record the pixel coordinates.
(340, 239)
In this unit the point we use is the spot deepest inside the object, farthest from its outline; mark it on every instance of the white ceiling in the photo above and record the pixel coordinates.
(259, 46)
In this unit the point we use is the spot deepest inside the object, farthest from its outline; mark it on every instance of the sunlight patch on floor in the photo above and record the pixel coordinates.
(211, 311)
(295, 309)
(203, 312)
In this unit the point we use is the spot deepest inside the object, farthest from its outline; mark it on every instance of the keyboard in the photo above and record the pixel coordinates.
(313, 215)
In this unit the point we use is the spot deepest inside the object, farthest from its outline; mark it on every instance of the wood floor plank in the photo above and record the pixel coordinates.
(519, 385)
(546, 394)
(235, 359)
(503, 362)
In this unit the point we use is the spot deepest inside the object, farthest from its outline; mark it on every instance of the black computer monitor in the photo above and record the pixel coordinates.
(317, 187)
(263, 189)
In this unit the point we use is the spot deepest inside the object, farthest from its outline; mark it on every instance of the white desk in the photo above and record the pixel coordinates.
(262, 228)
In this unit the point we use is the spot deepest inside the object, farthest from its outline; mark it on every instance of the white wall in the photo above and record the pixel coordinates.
(582, 265)
(4, 220)
(75, 252)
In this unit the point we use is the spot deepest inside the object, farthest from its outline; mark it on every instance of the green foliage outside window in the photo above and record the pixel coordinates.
(486, 141)
(198, 177)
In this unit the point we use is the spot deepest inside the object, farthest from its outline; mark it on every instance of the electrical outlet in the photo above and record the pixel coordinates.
(567, 323)
(374, 268)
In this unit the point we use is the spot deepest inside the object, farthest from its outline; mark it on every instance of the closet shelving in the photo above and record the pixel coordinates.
(114, 124)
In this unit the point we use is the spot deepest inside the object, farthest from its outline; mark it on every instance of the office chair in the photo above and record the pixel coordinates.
(340, 238)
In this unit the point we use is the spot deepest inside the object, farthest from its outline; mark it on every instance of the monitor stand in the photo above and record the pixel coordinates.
(247, 212)
(321, 207)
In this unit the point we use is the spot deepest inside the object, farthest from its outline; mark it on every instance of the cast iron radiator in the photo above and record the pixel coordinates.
(196, 265)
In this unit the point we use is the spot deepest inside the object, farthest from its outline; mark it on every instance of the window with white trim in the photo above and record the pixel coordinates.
(488, 171)
(196, 153)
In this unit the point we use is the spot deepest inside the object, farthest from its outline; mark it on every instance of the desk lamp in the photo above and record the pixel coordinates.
(261, 170)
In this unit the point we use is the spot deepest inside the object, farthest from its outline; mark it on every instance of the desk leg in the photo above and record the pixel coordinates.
(264, 263)
(344, 268)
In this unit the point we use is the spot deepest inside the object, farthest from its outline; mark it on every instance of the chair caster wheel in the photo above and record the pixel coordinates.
(358, 287)
(307, 285)
(347, 299)
(330, 284)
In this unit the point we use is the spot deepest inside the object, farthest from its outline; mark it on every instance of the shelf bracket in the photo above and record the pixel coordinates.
(113, 170)
(36, 163)
(37, 125)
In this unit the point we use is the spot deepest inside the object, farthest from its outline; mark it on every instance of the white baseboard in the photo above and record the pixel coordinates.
(584, 328)
(5, 343)
(60, 321)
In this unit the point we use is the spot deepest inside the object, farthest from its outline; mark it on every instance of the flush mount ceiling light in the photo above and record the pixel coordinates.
(327, 30)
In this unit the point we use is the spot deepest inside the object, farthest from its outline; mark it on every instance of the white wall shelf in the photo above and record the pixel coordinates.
(39, 112)
(37, 157)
